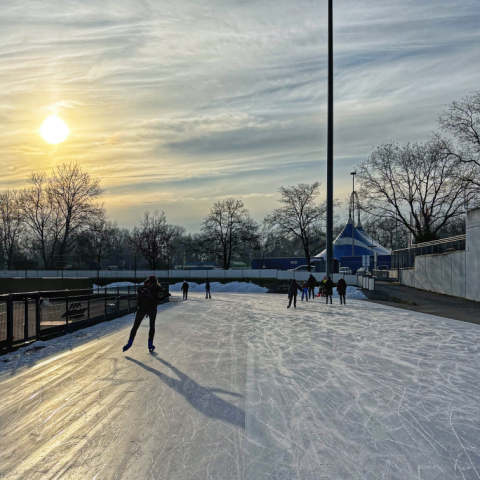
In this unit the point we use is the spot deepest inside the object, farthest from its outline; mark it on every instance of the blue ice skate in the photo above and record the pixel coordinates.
(128, 345)
(151, 346)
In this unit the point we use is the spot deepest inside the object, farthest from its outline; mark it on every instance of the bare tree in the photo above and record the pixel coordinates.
(75, 194)
(41, 218)
(156, 240)
(388, 232)
(58, 209)
(12, 227)
(417, 184)
(462, 121)
(100, 240)
(226, 230)
(300, 218)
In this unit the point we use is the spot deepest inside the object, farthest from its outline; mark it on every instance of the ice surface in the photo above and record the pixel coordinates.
(242, 388)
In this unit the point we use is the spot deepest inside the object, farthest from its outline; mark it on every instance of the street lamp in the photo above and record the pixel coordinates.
(353, 213)
(330, 144)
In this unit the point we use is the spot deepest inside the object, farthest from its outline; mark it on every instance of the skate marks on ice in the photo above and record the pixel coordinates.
(200, 398)
(362, 392)
(243, 389)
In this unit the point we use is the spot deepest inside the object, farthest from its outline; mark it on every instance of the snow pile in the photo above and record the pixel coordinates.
(352, 292)
(231, 287)
(118, 284)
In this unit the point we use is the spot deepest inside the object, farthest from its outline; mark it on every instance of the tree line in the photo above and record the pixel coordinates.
(414, 191)
(59, 221)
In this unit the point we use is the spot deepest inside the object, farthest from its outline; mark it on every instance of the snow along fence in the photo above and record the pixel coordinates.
(39, 315)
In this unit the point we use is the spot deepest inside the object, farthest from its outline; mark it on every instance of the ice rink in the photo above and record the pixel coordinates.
(242, 388)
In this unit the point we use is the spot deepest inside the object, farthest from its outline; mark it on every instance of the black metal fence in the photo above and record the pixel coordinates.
(41, 315)
(405, 258)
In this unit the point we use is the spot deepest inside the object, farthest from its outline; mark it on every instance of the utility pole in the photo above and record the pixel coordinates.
(353, 213)
(330, 144)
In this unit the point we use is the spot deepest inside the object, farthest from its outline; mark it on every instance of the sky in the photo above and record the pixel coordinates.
(177, 104)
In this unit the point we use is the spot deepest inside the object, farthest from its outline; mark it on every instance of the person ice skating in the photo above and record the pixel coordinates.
(328, 289)
(342, 289)
(293, 288)
(311, 282)
(185, 287)
(148, 297)
(305, 291)
(207, 288)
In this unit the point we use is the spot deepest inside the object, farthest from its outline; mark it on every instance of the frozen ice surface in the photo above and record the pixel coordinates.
(242, 388)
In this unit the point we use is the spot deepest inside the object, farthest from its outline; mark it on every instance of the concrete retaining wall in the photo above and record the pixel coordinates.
(454, 273)
(473, 255)
(438, 273)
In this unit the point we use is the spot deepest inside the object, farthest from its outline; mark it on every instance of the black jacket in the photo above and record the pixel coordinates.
(341, 286)
(293, 287)
(311, 282)
(149, 296)
(185, 286)
(328, 287)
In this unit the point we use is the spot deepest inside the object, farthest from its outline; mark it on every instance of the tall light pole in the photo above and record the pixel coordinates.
(330, 144)
(353, 213)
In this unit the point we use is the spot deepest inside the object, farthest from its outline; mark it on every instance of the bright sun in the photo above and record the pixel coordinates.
(54, 130)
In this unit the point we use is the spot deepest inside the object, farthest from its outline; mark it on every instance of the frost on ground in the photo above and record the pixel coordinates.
(241, 388)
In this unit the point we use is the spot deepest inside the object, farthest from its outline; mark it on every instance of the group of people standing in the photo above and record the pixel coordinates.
(308, 290)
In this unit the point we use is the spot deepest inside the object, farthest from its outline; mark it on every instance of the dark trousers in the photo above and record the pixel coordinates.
(311, 291)
(185, 294)
(294, 298)
(328, 297)
(207, 294)
(342, 297)
(140, 315)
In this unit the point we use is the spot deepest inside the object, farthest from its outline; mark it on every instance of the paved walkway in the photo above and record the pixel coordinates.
(431, 303)
(240, 388)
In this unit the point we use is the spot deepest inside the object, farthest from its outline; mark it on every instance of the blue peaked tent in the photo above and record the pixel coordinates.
(378, 248)
(364, 244)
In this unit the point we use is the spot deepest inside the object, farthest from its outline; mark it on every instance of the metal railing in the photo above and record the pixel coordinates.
(25, 317)
(405, 258)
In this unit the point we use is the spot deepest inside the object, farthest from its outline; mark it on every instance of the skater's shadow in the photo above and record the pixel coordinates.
(202, 399)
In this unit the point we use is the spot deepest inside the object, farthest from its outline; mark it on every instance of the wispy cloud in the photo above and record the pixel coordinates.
(175, 104)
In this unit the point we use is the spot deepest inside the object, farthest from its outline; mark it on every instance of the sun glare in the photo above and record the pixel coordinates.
(54, 130)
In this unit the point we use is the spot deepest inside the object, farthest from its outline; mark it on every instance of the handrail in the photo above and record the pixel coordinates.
(442, 241)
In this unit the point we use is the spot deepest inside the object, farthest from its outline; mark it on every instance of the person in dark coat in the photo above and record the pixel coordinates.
(342, 290)
(148, 297)
(293, 289)
(207, 289)
(328, 289)
(185, 287)
(311, 282)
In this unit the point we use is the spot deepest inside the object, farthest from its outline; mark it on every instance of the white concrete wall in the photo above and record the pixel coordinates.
(456, 273)
(473, 255)
(438, 273)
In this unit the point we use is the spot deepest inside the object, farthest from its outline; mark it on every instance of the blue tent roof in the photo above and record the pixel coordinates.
(364, 244)
(378, 248)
